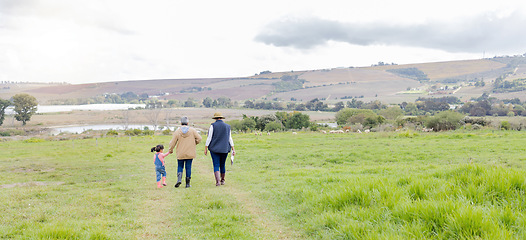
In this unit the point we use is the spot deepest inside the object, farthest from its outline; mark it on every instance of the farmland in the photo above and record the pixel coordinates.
(397, 185)
(334, 84)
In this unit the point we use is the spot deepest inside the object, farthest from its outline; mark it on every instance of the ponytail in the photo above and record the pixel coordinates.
(157, 148)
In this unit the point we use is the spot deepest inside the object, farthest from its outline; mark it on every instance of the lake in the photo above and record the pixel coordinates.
(80, 129)
(87, 107)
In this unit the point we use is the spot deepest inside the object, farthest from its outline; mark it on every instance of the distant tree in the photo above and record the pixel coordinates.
(207, 102)
(25, 107)
(353, 115)
(338, 106)
(249, 104)
(391, 113)
(273, 126)
(248, 124)
(125, 119)
(262, 121)
(224, 102)
(3, 105)
(172, 103)
(190, 103)
(153, 117)
(298, 120)
(446, 120)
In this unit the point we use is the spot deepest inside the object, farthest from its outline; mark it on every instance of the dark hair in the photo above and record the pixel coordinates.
(157, 148)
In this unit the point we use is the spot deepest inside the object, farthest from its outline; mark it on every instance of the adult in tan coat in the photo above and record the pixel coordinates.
(184, 141)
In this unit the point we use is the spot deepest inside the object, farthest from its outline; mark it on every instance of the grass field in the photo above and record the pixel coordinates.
(454, 185)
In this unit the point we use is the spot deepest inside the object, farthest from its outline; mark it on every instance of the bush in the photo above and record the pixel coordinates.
(148, 132)
(133, 132)
(34, 140)
(273, 126)
(478, 121)
(505, 125)
(112, 133)
(447, 120)
(167, 132)
(235, 125)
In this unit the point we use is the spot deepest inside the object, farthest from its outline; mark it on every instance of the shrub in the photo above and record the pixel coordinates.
(137, 131)
(273, 126)
(447, 120)
(167, 132)
(505, 125)
(148, 132)
(133, 132)
(34, 140)
(112, 133)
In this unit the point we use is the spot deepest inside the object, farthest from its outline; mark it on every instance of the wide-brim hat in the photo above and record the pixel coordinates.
(218, 115)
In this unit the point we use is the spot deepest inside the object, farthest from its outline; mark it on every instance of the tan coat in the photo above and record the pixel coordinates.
(185, 143)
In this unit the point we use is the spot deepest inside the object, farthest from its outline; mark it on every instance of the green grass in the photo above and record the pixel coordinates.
(454, 185)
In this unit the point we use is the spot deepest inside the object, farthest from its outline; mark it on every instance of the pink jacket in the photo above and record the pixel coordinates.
(161, 157)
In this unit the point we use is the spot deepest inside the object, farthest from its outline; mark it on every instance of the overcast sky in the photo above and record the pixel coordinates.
(81, 41)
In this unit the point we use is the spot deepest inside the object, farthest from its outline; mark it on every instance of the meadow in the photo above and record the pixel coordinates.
(396, 185)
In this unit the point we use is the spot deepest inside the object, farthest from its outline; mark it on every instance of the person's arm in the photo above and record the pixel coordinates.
(197, 137)
(209, 138)
(173, 142)
(232, 144)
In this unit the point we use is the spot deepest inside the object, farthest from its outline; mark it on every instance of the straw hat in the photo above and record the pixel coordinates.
(218, 115)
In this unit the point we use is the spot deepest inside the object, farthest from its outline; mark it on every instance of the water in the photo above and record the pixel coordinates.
(80, 129)
(87, 107)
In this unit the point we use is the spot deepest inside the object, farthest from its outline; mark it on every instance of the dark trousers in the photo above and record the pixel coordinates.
(180, 166)
(219, 159)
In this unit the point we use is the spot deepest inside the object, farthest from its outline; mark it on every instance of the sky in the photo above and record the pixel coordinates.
(86, 41)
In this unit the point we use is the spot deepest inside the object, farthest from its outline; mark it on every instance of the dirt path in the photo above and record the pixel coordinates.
(275, 228)
(163, 218)
(269, 224)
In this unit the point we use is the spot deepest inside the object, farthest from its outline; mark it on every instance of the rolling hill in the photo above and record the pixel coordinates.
(387, 83)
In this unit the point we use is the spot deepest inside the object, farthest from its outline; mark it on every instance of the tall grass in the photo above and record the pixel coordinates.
(455, 185)
(391, 186)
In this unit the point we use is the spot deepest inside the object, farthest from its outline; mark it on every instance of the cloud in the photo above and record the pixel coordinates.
(476, 34)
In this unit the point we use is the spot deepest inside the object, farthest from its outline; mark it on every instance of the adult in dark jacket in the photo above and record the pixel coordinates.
(219, 142)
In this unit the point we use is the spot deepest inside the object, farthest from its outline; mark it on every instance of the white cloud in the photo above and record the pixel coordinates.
(96, 40)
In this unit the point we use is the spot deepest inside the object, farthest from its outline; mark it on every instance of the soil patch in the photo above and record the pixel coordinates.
(30, 184)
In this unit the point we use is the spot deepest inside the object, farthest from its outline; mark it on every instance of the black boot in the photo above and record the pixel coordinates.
(188, 182)
(179, 176)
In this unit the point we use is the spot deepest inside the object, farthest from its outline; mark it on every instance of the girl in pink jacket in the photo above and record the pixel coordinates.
(158, 160)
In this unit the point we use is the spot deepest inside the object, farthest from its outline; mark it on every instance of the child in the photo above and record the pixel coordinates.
(158, 159)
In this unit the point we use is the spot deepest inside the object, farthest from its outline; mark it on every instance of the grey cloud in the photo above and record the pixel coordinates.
(468, 35)
(8, 6)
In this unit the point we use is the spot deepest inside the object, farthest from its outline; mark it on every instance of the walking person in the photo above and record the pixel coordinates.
(219, 142)
(184, 140)
(158, 160)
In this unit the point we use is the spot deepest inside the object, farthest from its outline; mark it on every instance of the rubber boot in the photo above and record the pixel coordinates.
(223, 178)
(159, 185)
(179, 177)
(218, 178)
(188, 182)
(164, 181)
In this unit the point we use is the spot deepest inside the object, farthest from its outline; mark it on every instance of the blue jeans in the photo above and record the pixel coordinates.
(160, 171)
(180, 166)
(219, 159)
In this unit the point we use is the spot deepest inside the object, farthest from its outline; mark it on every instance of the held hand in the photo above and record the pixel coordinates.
(233, 153)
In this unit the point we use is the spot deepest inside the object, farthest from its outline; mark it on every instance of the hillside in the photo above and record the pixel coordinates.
(387, 83)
